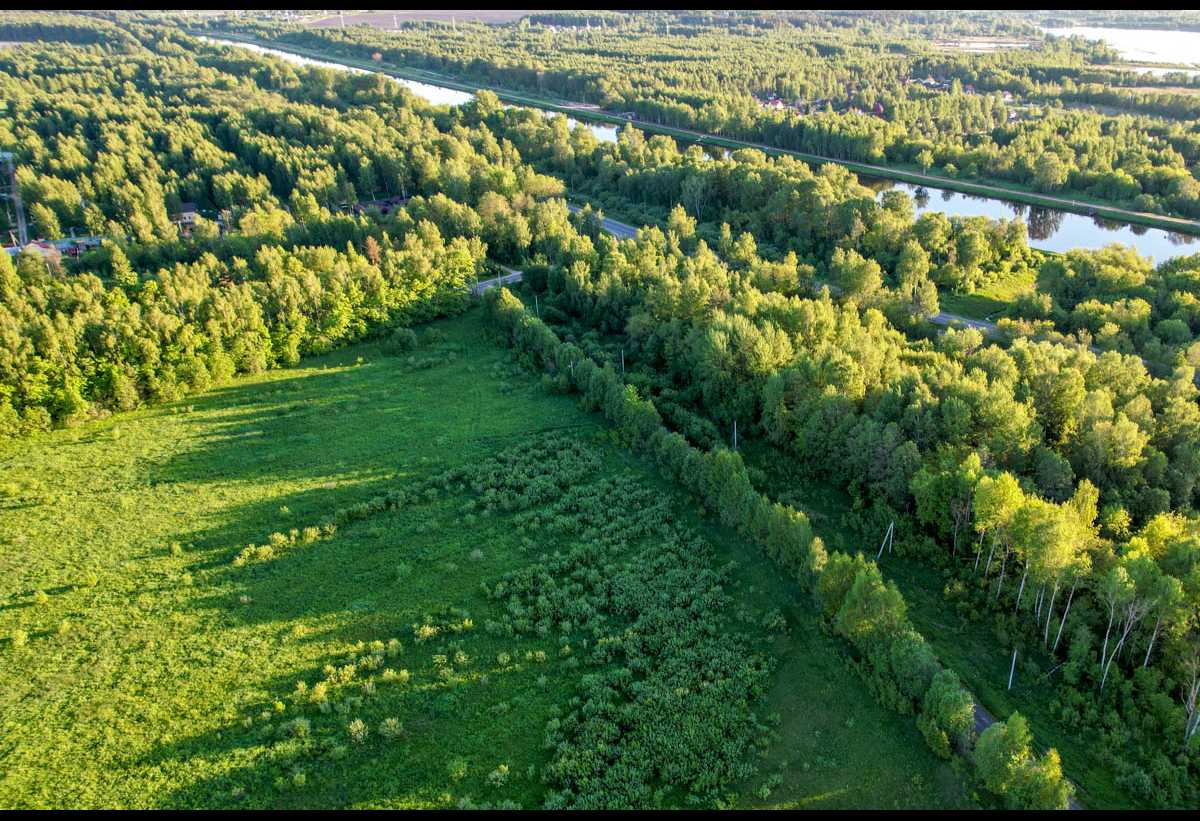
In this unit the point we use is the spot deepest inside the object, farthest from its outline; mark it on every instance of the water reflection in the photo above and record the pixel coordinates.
(438, 95)
(604, 133)
(1049, 229)
(1141, 45)
(1042, 223)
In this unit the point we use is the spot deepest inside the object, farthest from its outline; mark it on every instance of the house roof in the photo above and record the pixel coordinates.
(49, 252)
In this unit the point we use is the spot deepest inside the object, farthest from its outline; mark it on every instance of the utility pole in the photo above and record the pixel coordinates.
(10, 191)
(888, 538)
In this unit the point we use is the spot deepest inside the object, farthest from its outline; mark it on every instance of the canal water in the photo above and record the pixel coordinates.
(1142, 45)
(438, 95)
(1049, 229)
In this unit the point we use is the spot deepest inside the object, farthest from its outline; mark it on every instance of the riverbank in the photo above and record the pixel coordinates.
(1001, 191)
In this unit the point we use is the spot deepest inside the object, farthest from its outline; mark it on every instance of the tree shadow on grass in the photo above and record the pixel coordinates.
(441, 721)
(329, 439)
(354, 576)
(356, 569)
(309, 425)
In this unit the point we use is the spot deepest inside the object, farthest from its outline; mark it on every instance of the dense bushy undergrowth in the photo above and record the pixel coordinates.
(855, 599)
(666, 711)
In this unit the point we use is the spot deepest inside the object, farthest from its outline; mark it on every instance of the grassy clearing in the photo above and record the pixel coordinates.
(987, 303)
(143, 667)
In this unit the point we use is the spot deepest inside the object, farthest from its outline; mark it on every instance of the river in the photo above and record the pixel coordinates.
(1049, 229)
(1141, 45)
(438, 95)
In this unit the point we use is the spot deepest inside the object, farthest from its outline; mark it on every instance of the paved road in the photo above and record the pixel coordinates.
(620, 230)
(973, 187)
(989, 328)
(944, 318)
(583, 109)
(513, 275)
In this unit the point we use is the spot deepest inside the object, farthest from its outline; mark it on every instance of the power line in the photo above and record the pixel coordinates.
(10, 191)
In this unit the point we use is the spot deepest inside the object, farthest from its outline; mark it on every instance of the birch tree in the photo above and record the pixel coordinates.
(1130, 591)
(1190, 684)
(996, 501)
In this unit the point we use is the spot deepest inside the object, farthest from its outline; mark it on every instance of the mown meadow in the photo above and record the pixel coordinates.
(408, 578)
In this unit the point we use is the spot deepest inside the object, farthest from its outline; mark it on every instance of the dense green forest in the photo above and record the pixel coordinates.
(1054, 117)
(930, 432)
(1047, 476)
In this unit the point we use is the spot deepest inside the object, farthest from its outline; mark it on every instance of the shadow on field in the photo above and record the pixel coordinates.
(298, 427)
(332, 438)
(352, 426)
(372, 581)
(267, 753)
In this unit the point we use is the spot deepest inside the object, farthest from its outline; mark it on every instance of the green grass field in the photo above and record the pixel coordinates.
(986, 303)
(964, 639)
(142, 665)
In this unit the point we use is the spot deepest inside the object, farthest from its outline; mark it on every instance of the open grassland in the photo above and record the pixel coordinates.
(406, 580)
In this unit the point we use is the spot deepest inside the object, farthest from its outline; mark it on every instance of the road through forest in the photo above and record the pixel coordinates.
(621, 230)
(591, 112)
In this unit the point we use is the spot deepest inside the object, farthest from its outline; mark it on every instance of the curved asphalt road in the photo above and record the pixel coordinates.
(620, 230)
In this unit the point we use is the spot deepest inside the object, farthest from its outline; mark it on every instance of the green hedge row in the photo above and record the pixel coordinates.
(870, 613)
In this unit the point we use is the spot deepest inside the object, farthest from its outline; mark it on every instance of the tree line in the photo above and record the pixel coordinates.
(861, 606)
(832, 76)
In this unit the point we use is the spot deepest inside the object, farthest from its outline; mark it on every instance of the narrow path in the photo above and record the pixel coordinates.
(513, 275)
(984, 719)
